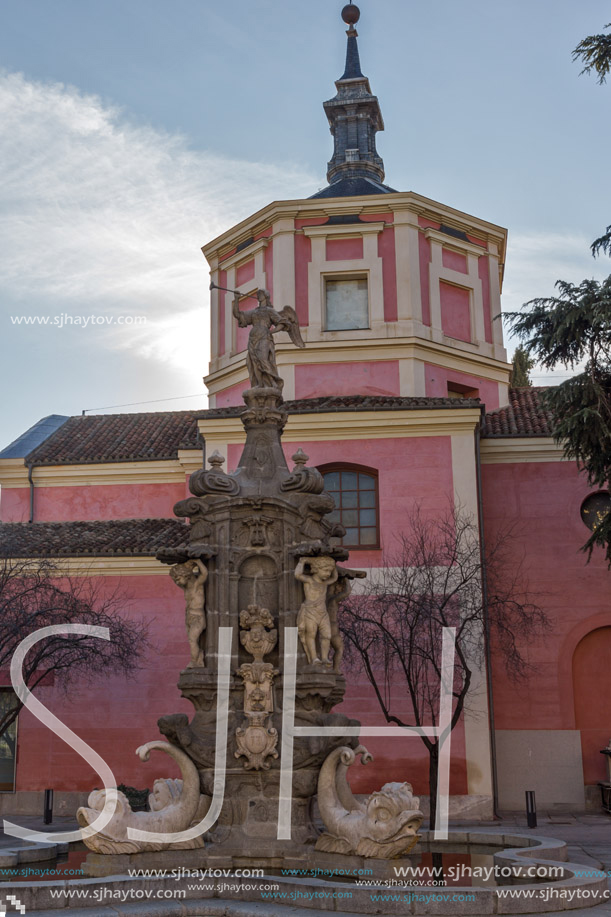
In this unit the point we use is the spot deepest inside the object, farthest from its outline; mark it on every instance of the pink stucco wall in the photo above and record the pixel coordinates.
(113, 715)
(454, 261)
(232, 396)
(245, 272)
(314, 380)
(436, 385)
(543, 500)
(387, 252)
(345, 249)
(87, 502)
(455, 311)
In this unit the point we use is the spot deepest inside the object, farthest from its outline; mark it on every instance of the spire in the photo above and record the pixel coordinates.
(355, 117)
(353, 61)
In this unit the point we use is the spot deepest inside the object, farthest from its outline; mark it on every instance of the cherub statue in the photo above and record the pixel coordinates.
(191, 578)
(261, 354)
(313, 618)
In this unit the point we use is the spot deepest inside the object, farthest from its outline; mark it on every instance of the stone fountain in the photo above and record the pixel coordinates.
(262, 557)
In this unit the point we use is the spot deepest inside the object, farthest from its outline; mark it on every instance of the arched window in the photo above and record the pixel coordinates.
(355, 491)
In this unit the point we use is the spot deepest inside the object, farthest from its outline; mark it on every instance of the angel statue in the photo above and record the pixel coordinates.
(261, 354)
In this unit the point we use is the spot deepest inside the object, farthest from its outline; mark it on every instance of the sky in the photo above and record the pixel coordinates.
(134, 132)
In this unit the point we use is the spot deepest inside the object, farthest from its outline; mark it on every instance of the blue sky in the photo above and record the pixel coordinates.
(135, 132)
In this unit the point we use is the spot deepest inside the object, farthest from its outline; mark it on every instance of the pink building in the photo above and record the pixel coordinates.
(401, 396)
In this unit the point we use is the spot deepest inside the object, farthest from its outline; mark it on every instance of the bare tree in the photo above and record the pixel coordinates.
(437, 577)
(36, 593)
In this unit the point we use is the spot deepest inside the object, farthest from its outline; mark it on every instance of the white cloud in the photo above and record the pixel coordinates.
(103, 215)
(535, 261)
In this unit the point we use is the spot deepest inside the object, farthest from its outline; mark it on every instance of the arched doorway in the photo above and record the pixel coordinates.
(592, 692)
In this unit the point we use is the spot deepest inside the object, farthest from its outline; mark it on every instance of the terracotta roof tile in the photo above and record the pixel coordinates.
(124, 537)
(525, 415)
(156, 436)
(101, 438)
(118, 438)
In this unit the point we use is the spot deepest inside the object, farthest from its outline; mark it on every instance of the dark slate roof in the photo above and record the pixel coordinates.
(353, 187)
(34, 436)
(118, 438)
(124, 537)
(525, 415)
(352, 70)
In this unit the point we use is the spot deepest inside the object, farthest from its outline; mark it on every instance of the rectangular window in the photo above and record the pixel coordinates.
(347, 304)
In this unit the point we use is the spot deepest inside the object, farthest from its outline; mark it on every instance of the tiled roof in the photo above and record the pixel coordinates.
(525, 415)
(354, 403)
(118, 438)
(156, 436)
(127, 537)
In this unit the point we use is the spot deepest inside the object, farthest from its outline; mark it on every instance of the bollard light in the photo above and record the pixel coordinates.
(531, 809)
(48, 814)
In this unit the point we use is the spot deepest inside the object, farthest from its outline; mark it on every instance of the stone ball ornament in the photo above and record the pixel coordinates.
(351, 14)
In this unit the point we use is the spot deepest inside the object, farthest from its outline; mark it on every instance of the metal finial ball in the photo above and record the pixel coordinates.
(351, 14)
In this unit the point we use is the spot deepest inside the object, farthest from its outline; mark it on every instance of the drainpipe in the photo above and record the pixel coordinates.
(482, 541)
(31, 482)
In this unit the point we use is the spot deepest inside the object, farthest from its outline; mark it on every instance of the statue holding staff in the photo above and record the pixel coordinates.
(261, 353)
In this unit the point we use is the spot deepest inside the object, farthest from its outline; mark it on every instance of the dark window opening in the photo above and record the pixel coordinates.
(355, 492)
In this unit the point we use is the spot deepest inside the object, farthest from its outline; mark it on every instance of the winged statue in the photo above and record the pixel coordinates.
(261, 353)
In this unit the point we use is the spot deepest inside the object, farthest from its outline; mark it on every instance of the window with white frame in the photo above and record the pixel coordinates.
(346, 303)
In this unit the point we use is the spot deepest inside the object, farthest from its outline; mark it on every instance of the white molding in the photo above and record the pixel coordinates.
(344, 230)
(170, 471)
(355, 425)
(244, 256)
(520, 449)
(454, 244)
(362, 346)
(92, 565)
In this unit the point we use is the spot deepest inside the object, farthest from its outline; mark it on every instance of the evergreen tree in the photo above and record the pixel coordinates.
(521, 366)
(573, 330)
(595, 54)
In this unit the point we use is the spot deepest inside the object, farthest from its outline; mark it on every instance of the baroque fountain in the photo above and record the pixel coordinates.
(261, 560)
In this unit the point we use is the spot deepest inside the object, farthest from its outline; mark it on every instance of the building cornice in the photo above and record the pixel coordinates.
(263, 219)
(465, 359)
(520, 450)
(354, 425)
(246, 254)
(345, 230)
(91, 565)
(14, 472)
(454, 244)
